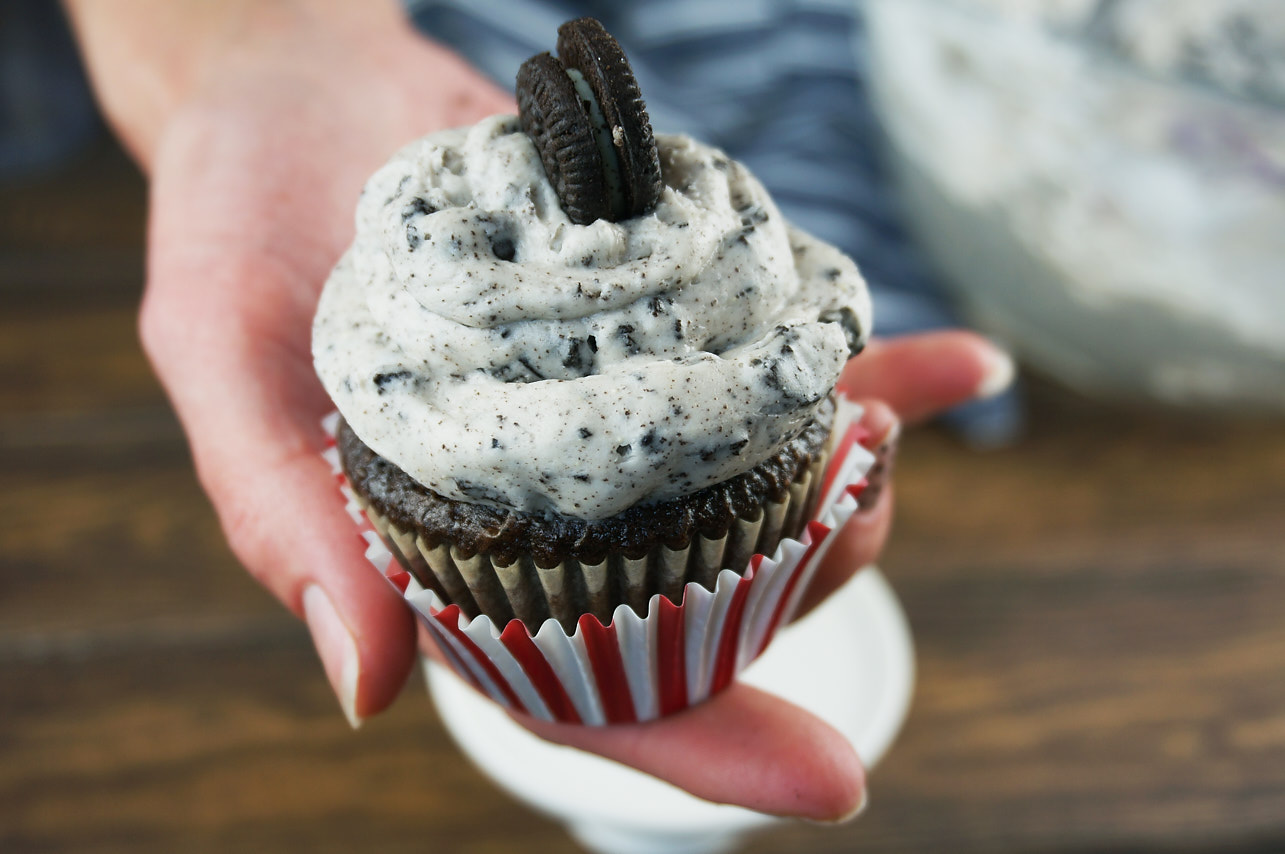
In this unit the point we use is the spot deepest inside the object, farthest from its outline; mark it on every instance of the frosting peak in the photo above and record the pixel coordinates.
(499, 353)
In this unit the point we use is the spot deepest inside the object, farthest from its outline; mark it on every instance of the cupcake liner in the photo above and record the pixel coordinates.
(649, 657)
(531, 593)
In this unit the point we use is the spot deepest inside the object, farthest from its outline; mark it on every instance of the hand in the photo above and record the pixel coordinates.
(256, 156)
(258, 131)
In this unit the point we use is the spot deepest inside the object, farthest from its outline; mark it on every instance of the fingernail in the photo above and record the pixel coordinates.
(999, 373)
(337, 648)
(858, 809)
(848, 816)
(884, 449)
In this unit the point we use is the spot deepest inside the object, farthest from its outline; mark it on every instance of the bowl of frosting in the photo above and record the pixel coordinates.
(1100, 182)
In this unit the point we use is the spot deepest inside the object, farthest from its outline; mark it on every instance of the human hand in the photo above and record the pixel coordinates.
(255, 163)
(258, 134)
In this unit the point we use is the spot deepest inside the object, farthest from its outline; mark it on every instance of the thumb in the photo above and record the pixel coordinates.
(251, 410)
(286, 523)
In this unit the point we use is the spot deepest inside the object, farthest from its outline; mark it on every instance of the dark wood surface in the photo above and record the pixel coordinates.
(1099, 613)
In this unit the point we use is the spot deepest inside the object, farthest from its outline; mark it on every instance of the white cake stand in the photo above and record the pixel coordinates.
(850, 662)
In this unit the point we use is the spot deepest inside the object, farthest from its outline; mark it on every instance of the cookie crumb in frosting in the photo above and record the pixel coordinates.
(507, 373)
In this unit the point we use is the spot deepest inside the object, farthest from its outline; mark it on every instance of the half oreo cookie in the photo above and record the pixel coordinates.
(586, 116)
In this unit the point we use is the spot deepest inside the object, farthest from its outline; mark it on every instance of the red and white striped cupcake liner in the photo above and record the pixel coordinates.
(636, 668)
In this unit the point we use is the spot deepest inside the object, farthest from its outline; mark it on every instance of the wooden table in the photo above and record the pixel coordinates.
(1099, 612)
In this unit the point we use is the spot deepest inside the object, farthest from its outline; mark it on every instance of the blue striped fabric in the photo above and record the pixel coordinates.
(778, 85)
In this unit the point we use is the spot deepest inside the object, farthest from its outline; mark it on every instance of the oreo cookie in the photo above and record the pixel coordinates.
(586, 116)
(548, 107)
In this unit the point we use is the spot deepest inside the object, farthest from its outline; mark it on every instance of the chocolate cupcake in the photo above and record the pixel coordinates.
(508, 564)
(550, 414)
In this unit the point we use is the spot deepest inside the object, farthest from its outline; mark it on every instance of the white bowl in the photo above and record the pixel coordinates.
(1105, 204)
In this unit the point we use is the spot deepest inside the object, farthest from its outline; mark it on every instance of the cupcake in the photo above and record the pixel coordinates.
(574, 380)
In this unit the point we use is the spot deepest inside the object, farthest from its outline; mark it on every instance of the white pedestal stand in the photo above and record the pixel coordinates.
(861, 687)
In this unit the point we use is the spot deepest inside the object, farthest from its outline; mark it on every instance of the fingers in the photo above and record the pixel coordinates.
(922, 375)
(913, 377)
(743, 747)
(746, 747)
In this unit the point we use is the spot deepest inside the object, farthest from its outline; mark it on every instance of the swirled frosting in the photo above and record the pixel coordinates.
(499, 354)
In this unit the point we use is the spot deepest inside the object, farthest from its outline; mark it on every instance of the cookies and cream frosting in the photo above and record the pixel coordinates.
(497, 353)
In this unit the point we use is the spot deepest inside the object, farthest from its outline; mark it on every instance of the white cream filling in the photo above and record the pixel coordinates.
(603, 137)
